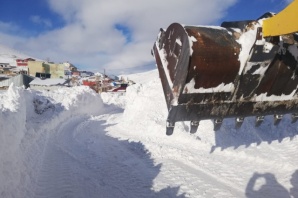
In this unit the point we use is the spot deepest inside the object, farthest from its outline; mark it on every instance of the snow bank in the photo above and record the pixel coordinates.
(144, 120)
(146, 112)
(12, 110)
(114, 98)
(120, 99)
(26, 119)
(142, 78)
(145, 106)
(9, 55)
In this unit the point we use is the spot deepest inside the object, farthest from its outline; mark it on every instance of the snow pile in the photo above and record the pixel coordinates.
(247, 40)
(26, 119)
(142, 78)
(114, 98)
(12, 110)
(47, 82)
(144, 120)
(10, 100)
(120, 99)
(145, 106)
(80, 99)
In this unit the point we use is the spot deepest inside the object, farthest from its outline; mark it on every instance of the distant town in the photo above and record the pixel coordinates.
(46, 75)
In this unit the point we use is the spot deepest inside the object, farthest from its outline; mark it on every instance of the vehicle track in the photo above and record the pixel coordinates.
(80, 160)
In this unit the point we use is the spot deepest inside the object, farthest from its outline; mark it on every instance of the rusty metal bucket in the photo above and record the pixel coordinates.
(212, 72)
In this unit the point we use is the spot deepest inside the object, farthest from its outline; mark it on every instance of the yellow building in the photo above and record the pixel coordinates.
(35, 68)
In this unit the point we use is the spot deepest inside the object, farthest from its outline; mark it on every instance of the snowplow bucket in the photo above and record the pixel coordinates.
(226, 71)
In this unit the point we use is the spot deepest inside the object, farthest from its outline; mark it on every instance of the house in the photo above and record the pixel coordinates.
(4, 68)
(23, 62)
(4, 65)
(22, 65)
(76, 73)
(69, 67)
(86, 73)
(119, 88)
(40, 67)
(96, 83)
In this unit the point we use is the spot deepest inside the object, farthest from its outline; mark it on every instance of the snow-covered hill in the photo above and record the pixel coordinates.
(9, 55)
(75, 143)
(143, 77)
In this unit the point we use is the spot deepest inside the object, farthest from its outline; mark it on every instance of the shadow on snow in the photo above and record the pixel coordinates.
(269, 186)
(229, 136)
(138, 170)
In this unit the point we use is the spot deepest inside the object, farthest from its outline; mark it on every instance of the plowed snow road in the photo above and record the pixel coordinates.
(81, 160)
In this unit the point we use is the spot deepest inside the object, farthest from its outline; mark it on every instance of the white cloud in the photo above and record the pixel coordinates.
(90, 38)
(8, 27)
(38, 20)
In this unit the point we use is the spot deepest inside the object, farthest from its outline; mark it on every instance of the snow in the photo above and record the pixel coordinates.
(178, 41)
(263, 66)
(247, 39)
(8, 55)
(283, 97)
(142, 78)
(47, 82)
(191, 40)
(72, 142)
(190, 88)
(163, 57)
(208, 26)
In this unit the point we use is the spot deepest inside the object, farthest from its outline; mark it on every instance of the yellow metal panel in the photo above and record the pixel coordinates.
(285, 22)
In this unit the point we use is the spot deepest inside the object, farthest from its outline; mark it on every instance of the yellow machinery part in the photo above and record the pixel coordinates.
(285, 22)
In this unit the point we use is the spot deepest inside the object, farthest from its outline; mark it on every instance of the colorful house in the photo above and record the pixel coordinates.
(23, 62)
(40, 67)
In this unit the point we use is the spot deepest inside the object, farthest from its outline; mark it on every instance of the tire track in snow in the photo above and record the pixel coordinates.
(231, 168)
(122, 166)
(80, 160)
(194, 182)
(56, 176)
(70, 170)
(56, 179)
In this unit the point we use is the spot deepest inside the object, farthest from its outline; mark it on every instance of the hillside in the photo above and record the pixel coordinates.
(9, 55)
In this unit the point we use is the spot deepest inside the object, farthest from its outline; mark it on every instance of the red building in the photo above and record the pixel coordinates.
(24, 62)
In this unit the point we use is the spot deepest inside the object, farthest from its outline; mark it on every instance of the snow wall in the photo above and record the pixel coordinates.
(27, 118)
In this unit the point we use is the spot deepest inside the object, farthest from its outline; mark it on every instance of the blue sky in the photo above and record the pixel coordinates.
(116, 35)
(253, 9)
(32, 17)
